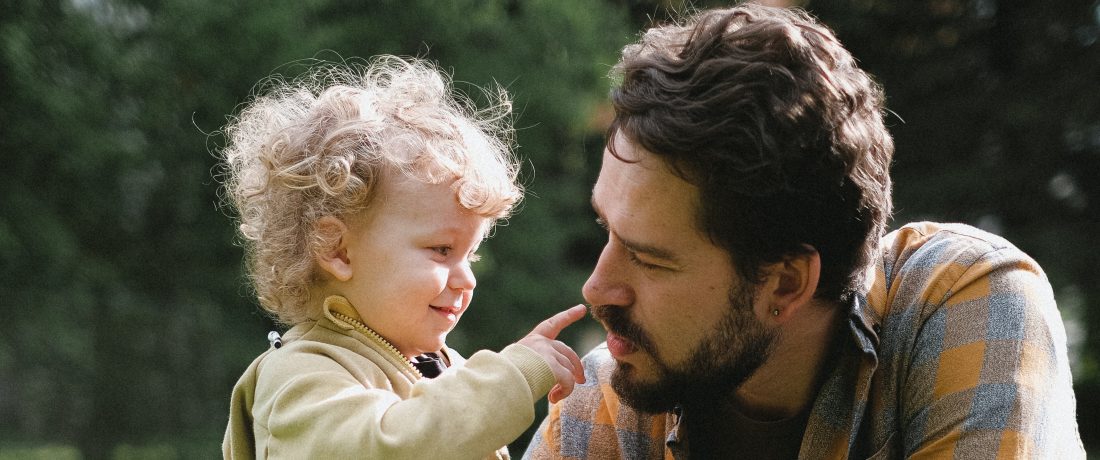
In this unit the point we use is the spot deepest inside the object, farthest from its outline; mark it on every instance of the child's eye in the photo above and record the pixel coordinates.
(442, 250)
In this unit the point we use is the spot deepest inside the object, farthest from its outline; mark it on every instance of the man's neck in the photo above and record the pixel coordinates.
(788, 382)
(715, 432)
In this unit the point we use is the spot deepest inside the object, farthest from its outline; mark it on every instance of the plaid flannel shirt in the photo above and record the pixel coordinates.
(956, 350)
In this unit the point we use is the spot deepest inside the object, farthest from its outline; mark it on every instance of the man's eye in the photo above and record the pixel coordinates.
(602, 223)
(639, 262)
(442, 250)
(474, 257)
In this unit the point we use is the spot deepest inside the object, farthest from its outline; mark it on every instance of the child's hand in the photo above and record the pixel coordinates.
(562, 359)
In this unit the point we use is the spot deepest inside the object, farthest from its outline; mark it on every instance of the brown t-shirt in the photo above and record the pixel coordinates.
(732, 434)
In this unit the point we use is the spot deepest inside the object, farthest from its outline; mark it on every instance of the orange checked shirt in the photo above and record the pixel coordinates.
(957, 350)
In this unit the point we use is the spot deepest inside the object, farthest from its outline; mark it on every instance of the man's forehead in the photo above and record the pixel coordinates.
(643, 191)
(631, 169)
(650, 210)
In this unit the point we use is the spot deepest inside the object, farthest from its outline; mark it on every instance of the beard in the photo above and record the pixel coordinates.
(727, 356)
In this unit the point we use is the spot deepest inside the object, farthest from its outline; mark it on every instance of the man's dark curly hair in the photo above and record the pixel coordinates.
(767, 114)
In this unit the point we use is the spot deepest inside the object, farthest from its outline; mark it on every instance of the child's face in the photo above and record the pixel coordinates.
(410, 256)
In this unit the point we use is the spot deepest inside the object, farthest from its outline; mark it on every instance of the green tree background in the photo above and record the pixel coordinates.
(128, 317)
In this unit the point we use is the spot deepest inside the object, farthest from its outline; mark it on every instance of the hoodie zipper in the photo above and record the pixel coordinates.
(362, 327)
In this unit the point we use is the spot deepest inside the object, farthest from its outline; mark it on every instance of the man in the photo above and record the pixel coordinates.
(754, 306)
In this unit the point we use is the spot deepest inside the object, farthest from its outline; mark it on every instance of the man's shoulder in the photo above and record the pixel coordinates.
(926, 266)
(931, 258)
(599, 403)
(971, 323)
(592, 423)
(929, 243)
(599, 362)
(589, 396)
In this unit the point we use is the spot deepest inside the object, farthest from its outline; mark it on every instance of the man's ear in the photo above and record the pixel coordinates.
(790, 284)
(332, 257)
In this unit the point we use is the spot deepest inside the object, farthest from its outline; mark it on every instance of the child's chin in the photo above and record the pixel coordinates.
(438, 344)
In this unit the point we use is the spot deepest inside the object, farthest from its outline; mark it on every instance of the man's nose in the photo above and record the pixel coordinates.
(607, 284)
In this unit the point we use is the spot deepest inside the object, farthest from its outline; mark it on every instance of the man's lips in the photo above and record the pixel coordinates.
(619, 346)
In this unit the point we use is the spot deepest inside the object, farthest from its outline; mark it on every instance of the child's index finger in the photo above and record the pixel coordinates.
(552, 326)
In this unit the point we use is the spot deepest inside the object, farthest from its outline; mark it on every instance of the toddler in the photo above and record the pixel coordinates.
(363, 192)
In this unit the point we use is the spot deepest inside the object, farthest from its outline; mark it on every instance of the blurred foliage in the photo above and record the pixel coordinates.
(130, 318)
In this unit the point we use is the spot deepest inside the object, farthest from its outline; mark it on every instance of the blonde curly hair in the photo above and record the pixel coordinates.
(318, 145)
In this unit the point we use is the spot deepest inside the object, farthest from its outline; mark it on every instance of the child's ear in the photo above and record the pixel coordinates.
(790, 284)
(333, 256)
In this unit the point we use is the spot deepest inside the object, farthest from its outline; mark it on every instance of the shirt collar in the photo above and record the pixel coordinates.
(865, 323)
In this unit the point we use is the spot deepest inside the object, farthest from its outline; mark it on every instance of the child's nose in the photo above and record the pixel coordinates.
(462, 278)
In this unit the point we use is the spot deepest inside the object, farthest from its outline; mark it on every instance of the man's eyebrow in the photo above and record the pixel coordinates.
(648, 249)
(635, 246)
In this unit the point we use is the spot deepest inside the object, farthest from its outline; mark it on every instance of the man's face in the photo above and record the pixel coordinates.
(681, 327)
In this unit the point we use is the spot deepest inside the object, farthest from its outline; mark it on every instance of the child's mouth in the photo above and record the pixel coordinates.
(446, 310)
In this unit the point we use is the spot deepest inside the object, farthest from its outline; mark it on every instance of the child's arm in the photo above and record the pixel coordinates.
(563, 360)
(316, 405)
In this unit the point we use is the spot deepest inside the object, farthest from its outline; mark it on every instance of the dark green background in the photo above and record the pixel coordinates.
(126, 315)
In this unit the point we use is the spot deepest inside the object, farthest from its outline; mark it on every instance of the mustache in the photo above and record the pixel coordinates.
(617, 321)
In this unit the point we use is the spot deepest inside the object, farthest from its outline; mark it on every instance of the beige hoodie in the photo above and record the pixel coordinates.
(335, 389)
